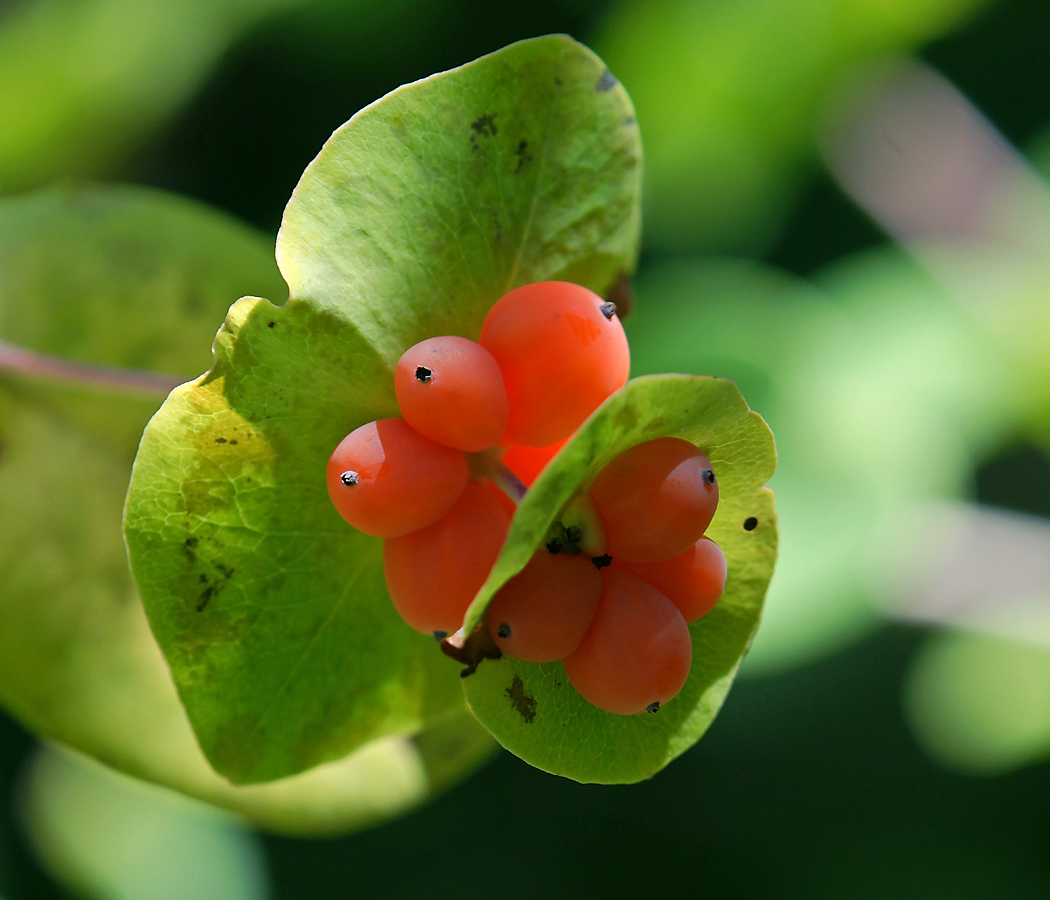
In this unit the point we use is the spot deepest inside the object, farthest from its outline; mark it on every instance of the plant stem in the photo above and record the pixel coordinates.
(505, 479)
(28, 362)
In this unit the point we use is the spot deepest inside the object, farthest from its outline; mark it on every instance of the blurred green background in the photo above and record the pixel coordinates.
(890, 735)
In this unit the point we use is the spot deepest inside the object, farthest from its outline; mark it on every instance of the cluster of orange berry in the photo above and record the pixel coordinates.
(625, 567)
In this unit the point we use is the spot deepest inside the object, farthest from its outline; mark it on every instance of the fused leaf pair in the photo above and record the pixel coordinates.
(425, 208)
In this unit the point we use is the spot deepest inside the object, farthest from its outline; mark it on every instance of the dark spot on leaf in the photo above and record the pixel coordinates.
(189, 547)
(606, 82)
(522, 700)
(226, 571)
(270, 324)
(653, 707)
(504, 630)
(523, 155)
(210, 591)
(203, 579)
(440, 635)
(485, 125)
(557, 81)
(600, 562)
(619, 292)
(220, 440)
(424, 375)
(708, 475)
(750, 523)
(608, 309)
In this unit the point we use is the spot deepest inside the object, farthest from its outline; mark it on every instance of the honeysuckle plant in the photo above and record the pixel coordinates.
(270, 610)
(416, 216)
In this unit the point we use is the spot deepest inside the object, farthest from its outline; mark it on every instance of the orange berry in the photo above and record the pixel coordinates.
(528, 462)
(655, 500)
(543, 612)
(637, 653)
(693, 581)
(450, 389)
(386, 479)
(433, 574)
(562, 351)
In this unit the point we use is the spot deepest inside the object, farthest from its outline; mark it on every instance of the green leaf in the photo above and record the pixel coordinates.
(415, 218)
(129, 276)
(531, 709)
(107, 836)
(979, 703)
(120, 276)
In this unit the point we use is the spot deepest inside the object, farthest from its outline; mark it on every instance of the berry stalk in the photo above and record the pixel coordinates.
(28, 362)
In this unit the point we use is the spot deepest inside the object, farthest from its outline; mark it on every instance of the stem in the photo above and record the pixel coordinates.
(28, 362)
(505, 479)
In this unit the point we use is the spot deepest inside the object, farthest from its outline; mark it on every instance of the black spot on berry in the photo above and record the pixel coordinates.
(220, 440)
(600, 562)
(440, 635)
(270, 324)
(608, 309)
(708, 475)
(653, 707)
(750, 523)
(504, 630)
(233, 443)
(521, 699)
(349, 478)
(554, 545)
(605, 83)
(424, 375)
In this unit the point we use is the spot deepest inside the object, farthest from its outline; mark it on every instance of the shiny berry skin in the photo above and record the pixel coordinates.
(638, 651)
(560, 355)
(655, 499)
(543, 612)
(693, 581)
(450, 390)
(387, 480)
(433, 574)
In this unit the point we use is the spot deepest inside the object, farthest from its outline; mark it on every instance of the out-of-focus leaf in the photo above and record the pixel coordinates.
(980, 703)
(121, 276)
(924, 162)
(151, 276)
(112, 837)
(728, 93)
(530, 708)
(415, 218)
(84, 81)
